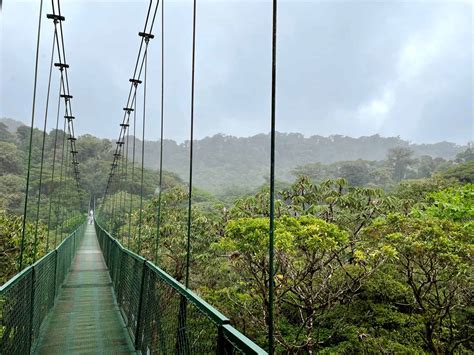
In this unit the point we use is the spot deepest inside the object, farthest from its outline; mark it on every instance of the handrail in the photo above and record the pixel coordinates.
(205, 307)
(168, 325)
(27, 298)
(10, 283)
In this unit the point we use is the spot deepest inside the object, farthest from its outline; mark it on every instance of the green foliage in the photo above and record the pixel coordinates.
(11, 192)
(464, 173)
(433, 255)
(411, 192)
(10, 241)
(316, 268)
(172, 243)
(454, 204)
(10, 159)
(466, 156)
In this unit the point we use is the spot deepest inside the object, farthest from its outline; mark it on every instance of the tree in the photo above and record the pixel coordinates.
(10, 162)
(12, 190)
(400, 159)
(317, 267)
(466, 156)
(433, 251)
(464, 173)
(173, 233)
(356, 173)
(5, 135)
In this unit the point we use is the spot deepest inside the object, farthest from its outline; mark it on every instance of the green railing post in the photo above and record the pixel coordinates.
(55, 273)
(32, 307)
(220, 340)
(159, 325)
(182, 346)
(140, 303)
(73, 245)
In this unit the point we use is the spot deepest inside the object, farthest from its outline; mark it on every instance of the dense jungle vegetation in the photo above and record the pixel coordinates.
(373, 255)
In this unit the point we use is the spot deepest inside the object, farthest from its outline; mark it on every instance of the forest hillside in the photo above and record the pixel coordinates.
(228, 165)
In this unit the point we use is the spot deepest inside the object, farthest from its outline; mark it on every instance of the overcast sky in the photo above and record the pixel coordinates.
(344, 67)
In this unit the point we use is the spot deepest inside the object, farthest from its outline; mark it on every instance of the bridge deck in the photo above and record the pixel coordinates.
(86, 318)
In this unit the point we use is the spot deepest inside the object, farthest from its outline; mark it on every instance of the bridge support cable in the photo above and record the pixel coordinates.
(38, 201)
(271, 272)
(191, 139)
(133, 165)
(112, 219)
(53, 168)
(66, 91)
(66, 192)
(140, 217)
(121, 182)
(125, 180)
(60, 209)
(25, 209)
(136, 76)
(160, 186)
(145, 35)
(182, 342)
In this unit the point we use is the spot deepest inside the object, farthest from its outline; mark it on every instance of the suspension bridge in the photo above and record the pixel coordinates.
(88, 292)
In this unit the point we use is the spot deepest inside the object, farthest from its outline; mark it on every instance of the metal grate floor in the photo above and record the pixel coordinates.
(85, 318)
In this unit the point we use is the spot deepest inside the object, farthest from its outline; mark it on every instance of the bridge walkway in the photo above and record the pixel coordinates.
(86, 318)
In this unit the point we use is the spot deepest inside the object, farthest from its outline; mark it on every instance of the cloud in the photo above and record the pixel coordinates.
(374, 113)
(344, 67)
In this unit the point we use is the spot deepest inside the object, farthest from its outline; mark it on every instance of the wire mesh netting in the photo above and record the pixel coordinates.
(171, 322)
(65, 253)
(234, 342)
(126, 271)
(15, 306)
(44, 293)
(26, 299)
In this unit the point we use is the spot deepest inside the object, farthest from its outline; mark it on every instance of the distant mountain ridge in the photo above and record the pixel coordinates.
(12, 125)
(224, 162)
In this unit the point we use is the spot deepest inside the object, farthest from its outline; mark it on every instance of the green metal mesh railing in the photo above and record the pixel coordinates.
(26, 299)
(162, 316)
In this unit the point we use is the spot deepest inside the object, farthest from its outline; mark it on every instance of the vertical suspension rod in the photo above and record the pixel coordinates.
(271, 346)
(188, 247)
(25, 209)
(140, 216)
(158, 217)
(38, 201)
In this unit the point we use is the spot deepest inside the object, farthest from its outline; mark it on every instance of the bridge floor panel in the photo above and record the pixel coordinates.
(86, 318)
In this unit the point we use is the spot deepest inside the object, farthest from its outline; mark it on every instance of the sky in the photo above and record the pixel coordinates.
(356, 68)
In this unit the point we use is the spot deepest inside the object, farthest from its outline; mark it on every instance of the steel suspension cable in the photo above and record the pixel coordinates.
(38, 202)
(53, 166)
(133, 168)
(59, 210)
(136, 73)
(122, 185)
(27, 187)
(188, 246)
(140, 217)
(114, 179)
(125, 179)
(67, 190)
(66, 90)
(271, 346)
(160, 187)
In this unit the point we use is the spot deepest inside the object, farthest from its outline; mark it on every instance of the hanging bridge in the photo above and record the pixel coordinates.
(88, 293)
